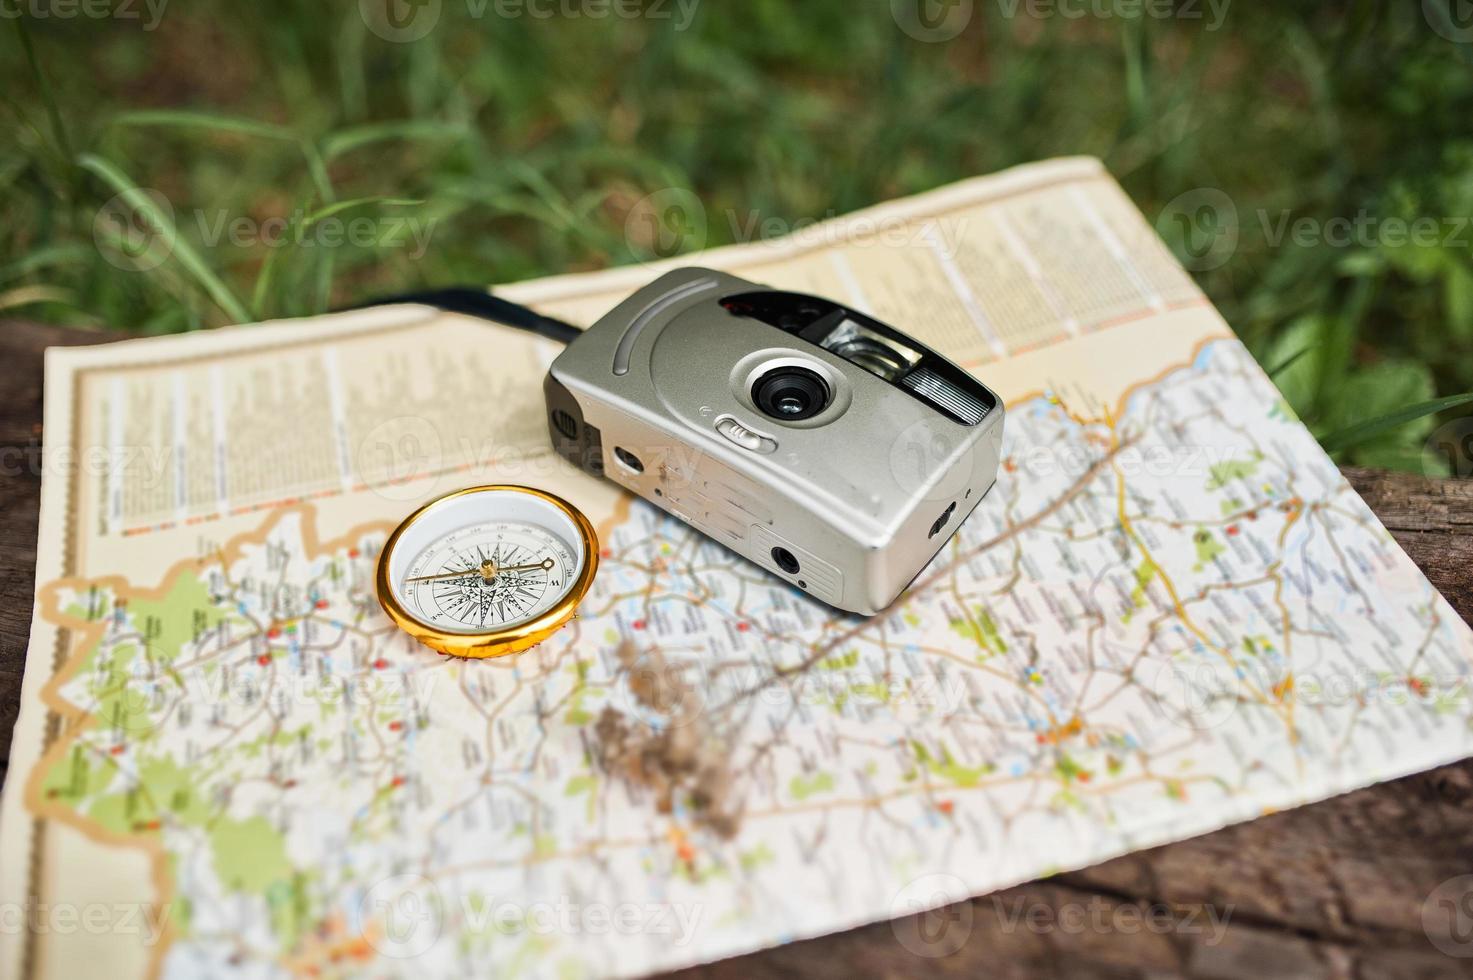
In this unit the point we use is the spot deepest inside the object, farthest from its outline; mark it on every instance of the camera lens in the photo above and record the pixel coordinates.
(791, 394)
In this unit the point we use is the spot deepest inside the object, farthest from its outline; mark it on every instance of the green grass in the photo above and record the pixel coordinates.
(522, 144)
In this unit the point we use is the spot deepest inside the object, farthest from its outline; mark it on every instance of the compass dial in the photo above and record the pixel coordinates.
(487, 571)
(488, 576)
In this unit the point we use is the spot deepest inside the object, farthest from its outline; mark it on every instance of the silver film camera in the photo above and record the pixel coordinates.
(834, 451)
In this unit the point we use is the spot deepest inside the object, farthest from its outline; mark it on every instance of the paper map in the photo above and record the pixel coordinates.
(1171, 613)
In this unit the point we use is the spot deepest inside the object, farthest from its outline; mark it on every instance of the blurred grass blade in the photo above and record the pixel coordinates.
(188, 119)
(409, 130)
(1360, 432)
(29, 295)
(23, 120)
(328, 257)
(265, 280)
(352, 72)
(323, 293)
(42, 258)
(544, 190)
(1290, 361)
(135, 198)
(203, 120)
(1137, 51)
(63, 150)
(322, 272)
(340, 206)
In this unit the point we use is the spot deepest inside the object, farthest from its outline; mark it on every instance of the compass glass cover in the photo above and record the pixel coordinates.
(487, 576)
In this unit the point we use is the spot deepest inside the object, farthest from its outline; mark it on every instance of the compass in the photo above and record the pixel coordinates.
(487, 571)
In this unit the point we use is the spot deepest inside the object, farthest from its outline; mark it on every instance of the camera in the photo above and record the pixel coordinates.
(832, 450)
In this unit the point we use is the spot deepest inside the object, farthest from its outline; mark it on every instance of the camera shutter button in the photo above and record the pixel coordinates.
(743, 436)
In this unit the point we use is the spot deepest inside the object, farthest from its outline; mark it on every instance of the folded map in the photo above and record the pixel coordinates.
(1172, 613)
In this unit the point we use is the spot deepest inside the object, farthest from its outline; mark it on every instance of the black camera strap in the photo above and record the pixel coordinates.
(487, 306)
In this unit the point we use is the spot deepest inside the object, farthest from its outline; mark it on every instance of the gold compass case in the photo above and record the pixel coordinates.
(497, 499)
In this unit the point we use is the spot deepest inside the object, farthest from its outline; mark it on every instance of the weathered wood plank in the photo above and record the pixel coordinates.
(22, 348)
(1336, 889)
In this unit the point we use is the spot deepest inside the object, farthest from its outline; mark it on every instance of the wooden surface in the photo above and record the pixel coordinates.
(1336, 889)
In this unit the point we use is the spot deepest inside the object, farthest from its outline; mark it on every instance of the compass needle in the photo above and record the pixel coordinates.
(505, 566)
